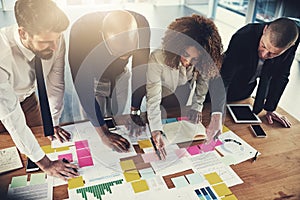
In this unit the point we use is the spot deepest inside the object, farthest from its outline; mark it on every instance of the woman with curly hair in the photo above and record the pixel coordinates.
(191, 53)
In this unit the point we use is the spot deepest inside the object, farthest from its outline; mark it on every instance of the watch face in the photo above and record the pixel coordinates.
(135, 112)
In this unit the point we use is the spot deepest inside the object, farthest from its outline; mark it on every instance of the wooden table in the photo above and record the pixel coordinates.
(275, 174)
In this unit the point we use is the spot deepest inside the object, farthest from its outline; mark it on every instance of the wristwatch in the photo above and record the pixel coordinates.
(135, 112)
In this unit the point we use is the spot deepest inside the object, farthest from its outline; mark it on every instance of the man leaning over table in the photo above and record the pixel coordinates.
(102, 44)
(38, 35)
(265, 51)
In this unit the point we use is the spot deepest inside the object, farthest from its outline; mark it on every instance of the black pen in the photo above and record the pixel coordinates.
(255, 157)
(155, 148)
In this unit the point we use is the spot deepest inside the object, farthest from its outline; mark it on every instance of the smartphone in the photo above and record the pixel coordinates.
(258, 131)
(31, 166)
(111, 124)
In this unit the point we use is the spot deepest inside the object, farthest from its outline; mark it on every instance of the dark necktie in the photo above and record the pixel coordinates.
(44, 103)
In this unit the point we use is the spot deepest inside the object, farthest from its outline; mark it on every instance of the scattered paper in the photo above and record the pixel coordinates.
(10, 159)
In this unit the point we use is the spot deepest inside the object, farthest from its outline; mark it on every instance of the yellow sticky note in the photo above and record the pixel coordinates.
(127, 165)
(62, 149)
(75, 182)
(213, 178)
(225, 129)
(48, 149)
(222, 189)
(140, 186)
(230, 197)
(131, 175)
(144, 144)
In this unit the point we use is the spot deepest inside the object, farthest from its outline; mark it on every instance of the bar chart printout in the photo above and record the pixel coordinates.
(97, 190)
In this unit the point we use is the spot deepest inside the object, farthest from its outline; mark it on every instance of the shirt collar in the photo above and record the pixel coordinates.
(26, 52)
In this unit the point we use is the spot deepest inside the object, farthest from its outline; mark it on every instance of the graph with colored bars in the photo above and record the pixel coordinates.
(206, 193)
(98, 190)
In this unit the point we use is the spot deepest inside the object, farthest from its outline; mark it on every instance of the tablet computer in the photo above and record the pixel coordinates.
(242, 113)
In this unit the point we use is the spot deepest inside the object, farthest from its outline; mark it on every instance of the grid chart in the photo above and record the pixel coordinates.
(98, 190)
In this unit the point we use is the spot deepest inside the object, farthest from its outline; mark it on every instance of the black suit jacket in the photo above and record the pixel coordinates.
(240, 64)
(89, 59)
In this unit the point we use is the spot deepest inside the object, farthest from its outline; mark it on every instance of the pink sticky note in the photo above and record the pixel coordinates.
(180, 152)
(81, 144)
(210, 147)
(182, 118)
(85, 161)
(67, 156)
(193, 150)
(150, 157)
(83, 152)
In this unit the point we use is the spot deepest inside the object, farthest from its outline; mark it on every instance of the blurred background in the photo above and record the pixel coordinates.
(228, 15)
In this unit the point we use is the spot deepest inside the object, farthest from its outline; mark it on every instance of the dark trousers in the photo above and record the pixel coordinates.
(31, 109)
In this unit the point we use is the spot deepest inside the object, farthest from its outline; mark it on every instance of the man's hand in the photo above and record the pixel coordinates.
(195, 116)
(159, 143)
(113, 140)
(136, 124)
(60, 134)
(279, 118)
(214, 128)
(57, 168)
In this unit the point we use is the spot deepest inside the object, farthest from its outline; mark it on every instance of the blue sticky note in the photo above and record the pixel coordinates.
(147, 173)
(194, 178)
(18, 181)
(180, 181)
(170, 120)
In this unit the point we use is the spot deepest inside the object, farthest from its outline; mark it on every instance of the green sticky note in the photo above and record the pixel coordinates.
(36, 179)
(18, 181)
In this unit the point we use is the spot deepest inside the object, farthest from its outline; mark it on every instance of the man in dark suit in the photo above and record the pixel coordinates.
(265, 51)
(101, 45)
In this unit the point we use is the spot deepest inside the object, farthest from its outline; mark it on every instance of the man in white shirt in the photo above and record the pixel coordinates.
(38, 35)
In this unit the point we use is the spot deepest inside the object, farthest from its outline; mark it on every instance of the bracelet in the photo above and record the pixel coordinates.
(135, 112)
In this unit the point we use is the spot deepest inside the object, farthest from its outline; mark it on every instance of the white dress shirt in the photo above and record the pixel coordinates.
(160, 75)
(17, 82)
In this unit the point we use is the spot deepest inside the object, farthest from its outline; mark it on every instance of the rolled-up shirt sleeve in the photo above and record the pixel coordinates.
(13, 119)
(200, 93)
(55, 83)
(154, 90)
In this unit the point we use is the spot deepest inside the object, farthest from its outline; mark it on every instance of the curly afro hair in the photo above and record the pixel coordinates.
(197, 31)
